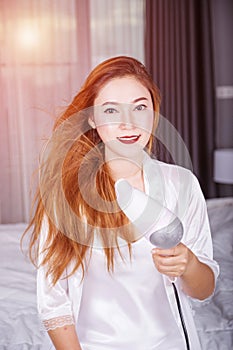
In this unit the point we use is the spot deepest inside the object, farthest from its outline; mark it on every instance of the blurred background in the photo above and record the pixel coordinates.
(47, 48)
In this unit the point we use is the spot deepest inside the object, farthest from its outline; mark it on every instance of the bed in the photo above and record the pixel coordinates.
(214, 318)
(20, 327)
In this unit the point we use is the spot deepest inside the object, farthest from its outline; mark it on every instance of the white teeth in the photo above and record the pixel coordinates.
(128, 138)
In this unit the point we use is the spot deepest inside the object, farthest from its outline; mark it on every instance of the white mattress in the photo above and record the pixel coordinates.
(20, 328)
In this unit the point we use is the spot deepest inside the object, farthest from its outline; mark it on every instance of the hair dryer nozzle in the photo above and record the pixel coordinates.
(168, 236)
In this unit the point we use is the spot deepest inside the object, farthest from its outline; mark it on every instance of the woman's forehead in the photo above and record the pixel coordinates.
(122, 90)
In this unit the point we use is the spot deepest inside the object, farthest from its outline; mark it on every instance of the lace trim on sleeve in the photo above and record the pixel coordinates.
(57, 322)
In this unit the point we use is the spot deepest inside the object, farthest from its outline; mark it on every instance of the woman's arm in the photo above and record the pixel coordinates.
(192, 260)
(197, 278)
(57, 303)
(65, 338)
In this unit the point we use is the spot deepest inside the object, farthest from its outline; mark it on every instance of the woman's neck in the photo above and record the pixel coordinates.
(126, 169)
(125, 162)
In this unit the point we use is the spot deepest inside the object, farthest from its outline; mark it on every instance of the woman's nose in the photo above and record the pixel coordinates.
(126, 120)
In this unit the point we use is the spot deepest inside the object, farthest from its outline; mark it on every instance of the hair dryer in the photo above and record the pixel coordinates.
(154, 221)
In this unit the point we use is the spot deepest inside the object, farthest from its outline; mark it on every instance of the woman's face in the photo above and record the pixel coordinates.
(123, 112)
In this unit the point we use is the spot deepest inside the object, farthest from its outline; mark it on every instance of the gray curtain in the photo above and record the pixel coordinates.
(179, 57)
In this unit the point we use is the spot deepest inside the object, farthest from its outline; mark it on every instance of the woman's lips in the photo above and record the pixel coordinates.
(129, 139)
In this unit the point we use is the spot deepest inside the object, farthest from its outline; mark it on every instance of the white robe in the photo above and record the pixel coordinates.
(135, 308)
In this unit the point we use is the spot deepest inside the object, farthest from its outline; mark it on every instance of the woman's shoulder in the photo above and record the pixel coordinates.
(172, 184)
(170, 171)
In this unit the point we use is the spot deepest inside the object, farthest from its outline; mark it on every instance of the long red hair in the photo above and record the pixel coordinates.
(72, 222)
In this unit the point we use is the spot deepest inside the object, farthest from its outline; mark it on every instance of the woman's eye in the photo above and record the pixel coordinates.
(110, 110)
(140, 107)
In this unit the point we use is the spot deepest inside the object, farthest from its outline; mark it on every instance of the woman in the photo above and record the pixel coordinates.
(101, 283)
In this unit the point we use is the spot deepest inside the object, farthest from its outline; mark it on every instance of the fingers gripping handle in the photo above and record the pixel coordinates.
(153, 220)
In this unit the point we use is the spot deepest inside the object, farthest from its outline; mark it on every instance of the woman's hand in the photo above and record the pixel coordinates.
(173, 262)
(197, 278)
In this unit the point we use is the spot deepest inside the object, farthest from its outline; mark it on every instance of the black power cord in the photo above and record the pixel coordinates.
(181, 316)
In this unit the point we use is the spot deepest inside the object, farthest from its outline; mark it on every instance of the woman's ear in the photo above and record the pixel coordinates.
(91, 122)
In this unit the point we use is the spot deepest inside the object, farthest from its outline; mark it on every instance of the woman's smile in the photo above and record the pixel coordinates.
(129, 139)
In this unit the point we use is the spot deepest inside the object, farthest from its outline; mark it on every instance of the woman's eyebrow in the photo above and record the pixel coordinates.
(140, 99)
(117, 103)
(110, 103)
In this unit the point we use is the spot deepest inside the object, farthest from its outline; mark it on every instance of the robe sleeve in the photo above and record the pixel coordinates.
(55, 303)
(197, 233)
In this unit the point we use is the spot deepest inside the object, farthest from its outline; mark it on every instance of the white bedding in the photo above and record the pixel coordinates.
(214, 318)
(20, 327)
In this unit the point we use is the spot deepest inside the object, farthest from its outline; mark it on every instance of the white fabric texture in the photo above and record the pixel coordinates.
(120, 306)
(56, 322)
